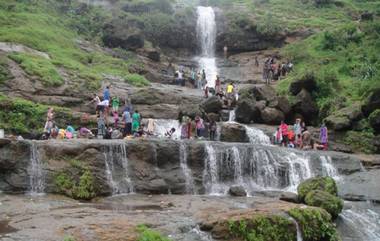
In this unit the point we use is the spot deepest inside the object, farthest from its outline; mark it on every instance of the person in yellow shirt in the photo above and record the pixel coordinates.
(230, 93)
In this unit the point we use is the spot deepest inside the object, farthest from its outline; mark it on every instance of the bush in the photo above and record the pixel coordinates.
(361, 141)
(4, 72)
(268, 25)
(136, 80)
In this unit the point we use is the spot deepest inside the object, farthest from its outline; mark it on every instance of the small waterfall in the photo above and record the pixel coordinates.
(328, 168)
(257, 136)
(116, 164)
(35, 171)
(206, 33)
(254, 168)
(190, 187)
(232, 116)
(299, 233)
(363, 221)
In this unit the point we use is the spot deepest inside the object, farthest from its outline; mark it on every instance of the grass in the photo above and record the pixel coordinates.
(42, 26)
(146, 234)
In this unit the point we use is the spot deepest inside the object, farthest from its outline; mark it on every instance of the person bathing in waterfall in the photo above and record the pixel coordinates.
(150, 127)
(127, 120)
(217, 84)
(136, 119)
(212, 130)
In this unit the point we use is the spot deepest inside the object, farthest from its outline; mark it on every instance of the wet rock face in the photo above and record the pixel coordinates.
(233, 132)
(212, 105)
(305, 106)
(237, 191)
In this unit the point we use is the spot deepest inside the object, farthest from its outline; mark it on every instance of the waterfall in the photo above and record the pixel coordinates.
(328, 168)
(363, 221)
(232, 116)
(257, 136)
(190, 187)
(254, 168)
(206, 33)
(35, 171)
(116, 168)
(299, 233)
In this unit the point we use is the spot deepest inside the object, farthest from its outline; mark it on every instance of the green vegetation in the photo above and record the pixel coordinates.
(21, 116)
(147, 234)
(51, 27)
(361, 141)
(328, 202)
(315, 224)
(76, 182)
(68, 238)
(4, 72)
(326, 184)
(262, 228)
(136, 80)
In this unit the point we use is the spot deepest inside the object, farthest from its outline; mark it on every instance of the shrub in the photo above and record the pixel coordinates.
(147, 234)
(328, 202)
(361, 141)
(136, 80)
(326, 184)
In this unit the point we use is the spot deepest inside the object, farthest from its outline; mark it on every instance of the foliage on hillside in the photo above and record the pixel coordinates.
(53, 27)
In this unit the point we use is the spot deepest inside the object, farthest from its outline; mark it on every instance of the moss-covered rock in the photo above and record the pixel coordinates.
(315, 224)
(326, 184)
(262, 228)
(330, 203)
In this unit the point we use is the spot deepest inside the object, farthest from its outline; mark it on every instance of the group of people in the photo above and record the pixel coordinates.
(274, 71)
(298, 136)
(202, 129)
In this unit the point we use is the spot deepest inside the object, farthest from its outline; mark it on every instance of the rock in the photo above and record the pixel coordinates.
(366, 16)
(374, 120)
(117, 33)
(264, 92)
(338, 123)
(283, 105)
(116, 134)
(372, 102)
(233, 132)
(4, 142)
(237, 191)
(330, 203)
(289, 197)
(245, 110)
(272, 116)
(212, 105)
(307, 82)
(344, 118)
(360, 186)
(305, 106)
(326, 184)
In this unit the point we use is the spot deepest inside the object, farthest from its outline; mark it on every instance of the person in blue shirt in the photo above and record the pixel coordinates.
(106, 93)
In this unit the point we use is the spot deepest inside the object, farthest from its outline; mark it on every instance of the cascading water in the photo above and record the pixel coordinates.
(36, 172)
(206, 33)
(253, 168)
(328, 168)
(232, 116)
(116, 163)
(257, 136)
(190, 187)
(162, 126)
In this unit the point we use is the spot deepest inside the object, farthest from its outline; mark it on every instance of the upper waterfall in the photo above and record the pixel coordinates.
(206, 33)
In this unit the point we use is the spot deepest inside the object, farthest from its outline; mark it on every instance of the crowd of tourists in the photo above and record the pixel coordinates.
(298, 136)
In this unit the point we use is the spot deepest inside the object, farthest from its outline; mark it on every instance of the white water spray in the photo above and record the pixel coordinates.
(36, 172)
(206, 33)
(189, 181)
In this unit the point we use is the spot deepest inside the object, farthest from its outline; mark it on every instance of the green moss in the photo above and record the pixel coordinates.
(315, 224)
(4, 71)
(262, 228)
(330, 203)
(136, 80)
(374, 117)
(147, 234)
(68, 238)
(76, 182)
(326, 184)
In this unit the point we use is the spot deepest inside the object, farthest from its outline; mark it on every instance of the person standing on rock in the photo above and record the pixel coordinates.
(323, 136)
(284, 132)
(256, 61)
(150, 127)
(199, 81)
(199, 126)
(204, 82)
(217, 84)
(230, 94)
(225, 51)
(297, 128)
(212, 130)
(136, 118)
(115, 104)
(127, 119)
(106, 93)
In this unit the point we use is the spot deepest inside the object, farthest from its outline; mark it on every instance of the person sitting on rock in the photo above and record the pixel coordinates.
(85, 133)
(323, 136)
(170, 133)
(284, 132)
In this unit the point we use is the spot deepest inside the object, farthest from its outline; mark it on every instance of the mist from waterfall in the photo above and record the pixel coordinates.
(206, 33)
(36, 172)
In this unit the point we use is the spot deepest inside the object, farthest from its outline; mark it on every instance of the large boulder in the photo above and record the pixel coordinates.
(233, 132)
(344, 118)
(332, 204)
(289, 197)
(272, 116)
(326, 184)
(245, 110)
(307, 82)
(283, 105)
(212, 105)
(374, 120)
(117, 34)
(305, 106)
(372, 103)
(264, 92)
(237, 191)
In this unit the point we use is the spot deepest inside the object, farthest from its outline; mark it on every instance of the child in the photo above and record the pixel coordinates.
(116, 119)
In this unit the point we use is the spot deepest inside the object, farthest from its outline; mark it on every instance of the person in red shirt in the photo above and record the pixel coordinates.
(284, 131)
